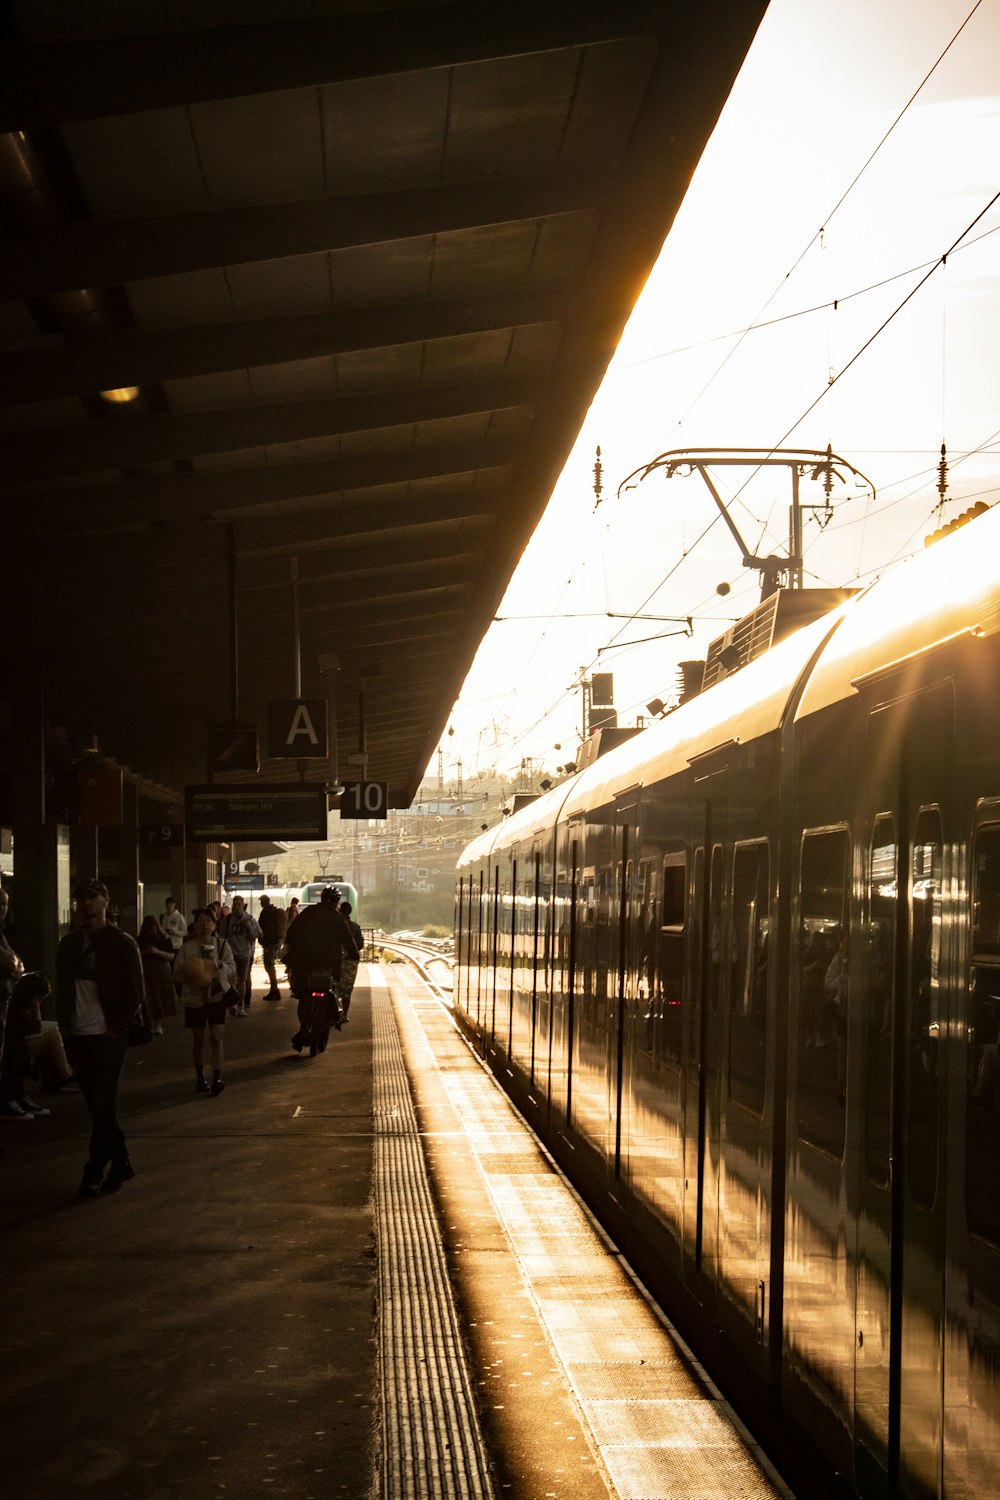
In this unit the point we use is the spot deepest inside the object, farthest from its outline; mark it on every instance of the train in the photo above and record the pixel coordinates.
(307, 892)
(741, 974)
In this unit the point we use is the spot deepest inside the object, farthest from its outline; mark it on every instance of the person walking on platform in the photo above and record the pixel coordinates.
(174, 923)
(273, 924)
(241, 932)
(99, 992)
(349, 966)
(207, 970)
(315, 944)
(11, 969)
(157, 954)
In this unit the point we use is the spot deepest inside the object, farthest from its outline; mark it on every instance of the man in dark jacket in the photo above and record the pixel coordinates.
(316, 941)
(273, 923)
(99, 990)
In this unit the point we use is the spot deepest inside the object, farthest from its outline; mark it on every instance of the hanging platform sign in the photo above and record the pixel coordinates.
(296, 729)
(231, 814)
(365, 799)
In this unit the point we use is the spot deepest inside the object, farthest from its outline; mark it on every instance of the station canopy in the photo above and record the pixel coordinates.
(304, 304)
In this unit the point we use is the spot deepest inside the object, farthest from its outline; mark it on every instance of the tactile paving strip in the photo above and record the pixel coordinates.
(431, 1443)
(661, 1429)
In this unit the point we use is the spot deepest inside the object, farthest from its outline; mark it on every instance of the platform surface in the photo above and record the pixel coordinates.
(355, 1275)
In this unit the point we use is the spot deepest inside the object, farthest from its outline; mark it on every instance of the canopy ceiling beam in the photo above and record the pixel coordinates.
(139, 503)
(133, 357)
(56, 83)
(98, 253)
(128, 442)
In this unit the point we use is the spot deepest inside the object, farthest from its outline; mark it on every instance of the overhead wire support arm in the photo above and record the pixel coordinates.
(800, 462)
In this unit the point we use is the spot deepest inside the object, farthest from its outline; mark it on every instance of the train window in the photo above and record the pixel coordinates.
(823, 988)
(924, 1008)
(876, 982)
(661, 957)
(982, 1140)
(674, 890)
(986, 897)
(721, 950)
(670, 957)
(748, 993)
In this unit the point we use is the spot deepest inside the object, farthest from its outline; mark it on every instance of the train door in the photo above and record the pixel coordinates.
(899, 1316)
(703, 1122)
(622, 986)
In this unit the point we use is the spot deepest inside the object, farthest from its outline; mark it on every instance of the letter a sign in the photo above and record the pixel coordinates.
(296, 729)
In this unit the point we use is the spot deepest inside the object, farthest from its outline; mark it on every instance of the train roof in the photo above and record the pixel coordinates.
(745, 706)
(950, 590)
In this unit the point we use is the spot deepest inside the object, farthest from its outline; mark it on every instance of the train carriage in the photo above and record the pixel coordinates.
(743, 976)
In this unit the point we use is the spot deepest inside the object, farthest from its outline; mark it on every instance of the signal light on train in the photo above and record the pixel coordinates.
(980, 508)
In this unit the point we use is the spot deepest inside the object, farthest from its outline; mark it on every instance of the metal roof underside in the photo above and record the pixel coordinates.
(366, 265)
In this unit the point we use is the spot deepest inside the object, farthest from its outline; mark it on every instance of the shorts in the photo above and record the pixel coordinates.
(212, 1014)
(242, 965)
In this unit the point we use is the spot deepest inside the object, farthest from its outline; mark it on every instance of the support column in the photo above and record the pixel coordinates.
(128, 859)
(35, 913)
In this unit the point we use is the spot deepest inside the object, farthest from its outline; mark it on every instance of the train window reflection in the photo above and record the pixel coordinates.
(748, 994)
(986, 898)
(822, 968)
(982, 1195)
(662, 956)
(924, 1016)
(877, 963)
(721, 950)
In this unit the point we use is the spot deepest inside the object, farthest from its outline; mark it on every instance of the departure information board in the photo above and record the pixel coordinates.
(227, 814)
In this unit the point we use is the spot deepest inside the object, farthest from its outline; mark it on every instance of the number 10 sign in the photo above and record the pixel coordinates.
(364, 799)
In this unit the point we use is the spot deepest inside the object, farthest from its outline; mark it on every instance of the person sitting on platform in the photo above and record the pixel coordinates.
(31, 1042)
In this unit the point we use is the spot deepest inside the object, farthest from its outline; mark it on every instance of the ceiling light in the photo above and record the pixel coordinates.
(120, 396)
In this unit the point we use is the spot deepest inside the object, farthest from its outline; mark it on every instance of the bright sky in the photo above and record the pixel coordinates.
(789, 211)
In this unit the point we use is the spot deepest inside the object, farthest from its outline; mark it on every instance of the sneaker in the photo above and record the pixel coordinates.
(33, 1108)
(90, 1185)
(201, 1086)
(11, 1110)
(69, 1086)
(116, 1177)
(273, 995)
(297, 1042)
(217, 1087)
(156, 1030)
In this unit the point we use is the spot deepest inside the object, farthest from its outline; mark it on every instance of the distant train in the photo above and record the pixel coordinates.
(742, 975)
(308, 893)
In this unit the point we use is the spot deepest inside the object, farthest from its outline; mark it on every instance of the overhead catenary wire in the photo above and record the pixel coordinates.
(832, 304)
(831, 214)
(929, 268)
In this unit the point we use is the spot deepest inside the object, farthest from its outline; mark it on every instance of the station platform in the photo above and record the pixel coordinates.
(355, 1275)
